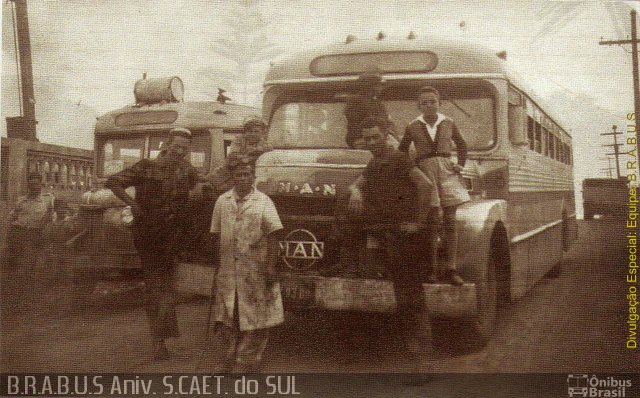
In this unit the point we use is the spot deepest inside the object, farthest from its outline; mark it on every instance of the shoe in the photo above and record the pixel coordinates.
(160, 352)
(453, 278)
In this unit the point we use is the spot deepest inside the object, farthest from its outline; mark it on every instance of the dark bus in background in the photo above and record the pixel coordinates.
(103, 247)
(604, 196)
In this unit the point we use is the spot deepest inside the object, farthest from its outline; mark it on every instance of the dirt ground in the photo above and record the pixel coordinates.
(573, 323)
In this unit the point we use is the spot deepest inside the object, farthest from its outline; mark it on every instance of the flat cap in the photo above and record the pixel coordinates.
(253, 120)
(180, 131)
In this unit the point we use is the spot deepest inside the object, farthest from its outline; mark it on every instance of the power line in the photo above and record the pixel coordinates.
(616, 147)
(634, 58)
(585, 96)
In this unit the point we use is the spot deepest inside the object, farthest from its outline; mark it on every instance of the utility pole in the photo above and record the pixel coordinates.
(636, 74)
(609, 169)
(616, 147)
(24, 126)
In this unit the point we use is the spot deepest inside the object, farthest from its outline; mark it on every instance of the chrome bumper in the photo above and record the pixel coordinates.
(343, 294)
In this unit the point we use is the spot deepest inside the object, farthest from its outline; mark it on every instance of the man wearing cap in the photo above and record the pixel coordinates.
(247, 299)
(251, 142)
(159, 210)
(253, 137)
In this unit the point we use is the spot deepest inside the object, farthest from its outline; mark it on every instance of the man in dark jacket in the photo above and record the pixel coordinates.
(394, 194)
(159, 210)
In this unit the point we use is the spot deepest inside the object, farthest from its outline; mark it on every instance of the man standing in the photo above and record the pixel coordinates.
(432, 134)
(247, 299)
(28, 219)
(159, 210)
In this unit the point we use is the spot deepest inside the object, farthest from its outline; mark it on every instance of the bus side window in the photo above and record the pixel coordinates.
(545, 136)
(518, 125)
(200, 154)
(538, 137)
(531, 132)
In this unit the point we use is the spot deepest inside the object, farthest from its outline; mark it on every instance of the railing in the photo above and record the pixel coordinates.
(62, 171)
(65, 171)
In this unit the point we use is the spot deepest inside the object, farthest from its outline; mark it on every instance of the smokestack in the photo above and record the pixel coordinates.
(25, 126)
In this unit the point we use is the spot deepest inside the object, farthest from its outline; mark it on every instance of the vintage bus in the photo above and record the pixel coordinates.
(103, 246)
(518, 173)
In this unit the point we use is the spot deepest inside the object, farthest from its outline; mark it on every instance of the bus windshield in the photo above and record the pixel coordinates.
(120, 153)
(116, 154)
(318, 121)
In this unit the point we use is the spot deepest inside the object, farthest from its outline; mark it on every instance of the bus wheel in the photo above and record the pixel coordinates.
(468, 335)
(487, 296)
(556, 270)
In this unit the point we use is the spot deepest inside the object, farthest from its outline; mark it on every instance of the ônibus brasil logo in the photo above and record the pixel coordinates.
(583, 385)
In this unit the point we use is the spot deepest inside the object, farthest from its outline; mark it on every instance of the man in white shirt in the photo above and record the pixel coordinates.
(28, 219)
(247, 299)
(25, 247)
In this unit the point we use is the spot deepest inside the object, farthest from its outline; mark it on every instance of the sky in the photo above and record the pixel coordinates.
(87, 55)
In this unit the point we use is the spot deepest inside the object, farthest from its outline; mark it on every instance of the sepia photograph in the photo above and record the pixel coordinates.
(412, 198)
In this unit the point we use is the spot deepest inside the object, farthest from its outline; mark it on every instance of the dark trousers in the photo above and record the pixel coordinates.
(409, 265)
(158, 272)
(24, 246)
(19, 265)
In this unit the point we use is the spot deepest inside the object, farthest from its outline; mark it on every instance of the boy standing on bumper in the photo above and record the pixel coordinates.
(432, 134)
(247, 299)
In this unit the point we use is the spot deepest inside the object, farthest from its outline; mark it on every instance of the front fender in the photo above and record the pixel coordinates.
(475, 223)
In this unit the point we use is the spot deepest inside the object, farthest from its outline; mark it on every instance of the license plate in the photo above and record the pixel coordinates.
(298, 292)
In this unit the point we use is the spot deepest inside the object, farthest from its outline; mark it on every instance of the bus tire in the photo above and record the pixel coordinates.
(556, 270)
(469, 335)
(483, 325)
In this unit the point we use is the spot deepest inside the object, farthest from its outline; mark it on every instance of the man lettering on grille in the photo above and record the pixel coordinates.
(160, 210)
